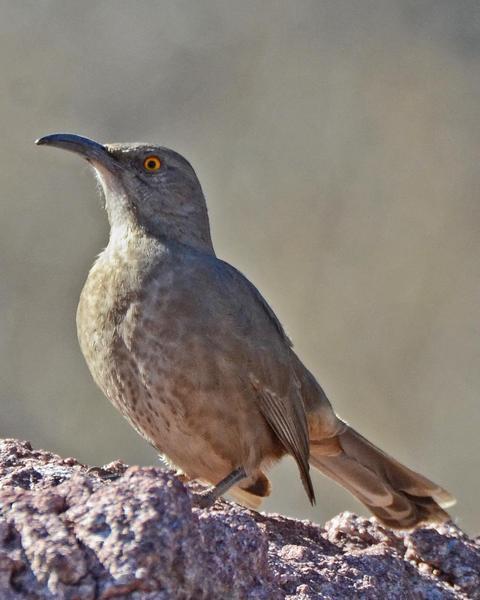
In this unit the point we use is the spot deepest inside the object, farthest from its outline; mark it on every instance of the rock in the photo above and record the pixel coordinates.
(72, 532)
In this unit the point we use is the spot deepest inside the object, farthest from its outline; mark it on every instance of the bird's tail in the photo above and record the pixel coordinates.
(396, 495)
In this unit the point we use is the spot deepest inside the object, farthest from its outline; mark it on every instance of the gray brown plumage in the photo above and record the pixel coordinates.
(191, 354)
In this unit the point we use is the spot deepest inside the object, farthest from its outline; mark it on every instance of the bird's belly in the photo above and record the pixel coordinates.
(192, 428)
(193, 416)
(199, 419)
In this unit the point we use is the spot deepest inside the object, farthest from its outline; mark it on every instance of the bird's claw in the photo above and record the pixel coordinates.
(203, 499)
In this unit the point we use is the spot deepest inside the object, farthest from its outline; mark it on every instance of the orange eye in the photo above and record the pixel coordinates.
(152, 163)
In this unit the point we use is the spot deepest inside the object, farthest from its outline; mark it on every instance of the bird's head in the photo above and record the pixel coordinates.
(148, 187)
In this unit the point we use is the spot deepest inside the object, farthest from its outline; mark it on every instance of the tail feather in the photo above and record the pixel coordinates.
(396, 495)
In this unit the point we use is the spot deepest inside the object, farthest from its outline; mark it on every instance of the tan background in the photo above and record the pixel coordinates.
(338, 143)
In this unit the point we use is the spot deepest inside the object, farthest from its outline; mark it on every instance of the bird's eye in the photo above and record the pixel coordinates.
(152, 163)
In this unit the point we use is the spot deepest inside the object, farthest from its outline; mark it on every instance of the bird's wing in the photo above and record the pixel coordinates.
(273, 377)
(286, 416)
(236, 278)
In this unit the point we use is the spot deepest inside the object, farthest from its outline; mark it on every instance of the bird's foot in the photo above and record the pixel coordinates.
(204, 499)
(209, 497)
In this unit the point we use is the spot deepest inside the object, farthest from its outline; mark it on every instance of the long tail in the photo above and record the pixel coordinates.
(396, 495)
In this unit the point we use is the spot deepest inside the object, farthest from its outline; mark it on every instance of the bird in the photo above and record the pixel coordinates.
(192, 355)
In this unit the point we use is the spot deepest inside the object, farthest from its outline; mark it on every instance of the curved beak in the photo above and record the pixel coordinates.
(89, 149)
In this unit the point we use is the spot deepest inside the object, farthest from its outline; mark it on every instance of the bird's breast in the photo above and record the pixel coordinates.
(114, 285)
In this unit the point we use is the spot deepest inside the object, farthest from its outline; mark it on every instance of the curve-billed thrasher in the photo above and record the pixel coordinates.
(191, 354)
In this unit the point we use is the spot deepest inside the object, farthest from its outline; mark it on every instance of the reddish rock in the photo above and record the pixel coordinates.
(72, 532)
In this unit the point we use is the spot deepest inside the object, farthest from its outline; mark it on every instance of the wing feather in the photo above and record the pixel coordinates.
(287, 418)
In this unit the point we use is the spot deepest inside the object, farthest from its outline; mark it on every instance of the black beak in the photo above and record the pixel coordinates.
(89, 149)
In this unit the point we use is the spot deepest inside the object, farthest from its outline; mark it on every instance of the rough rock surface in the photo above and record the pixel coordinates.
(70, 532)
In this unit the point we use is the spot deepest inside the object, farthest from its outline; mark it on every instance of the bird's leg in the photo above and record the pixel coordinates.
(206, 499)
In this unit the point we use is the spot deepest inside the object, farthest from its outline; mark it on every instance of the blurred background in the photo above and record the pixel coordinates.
(338, 145)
